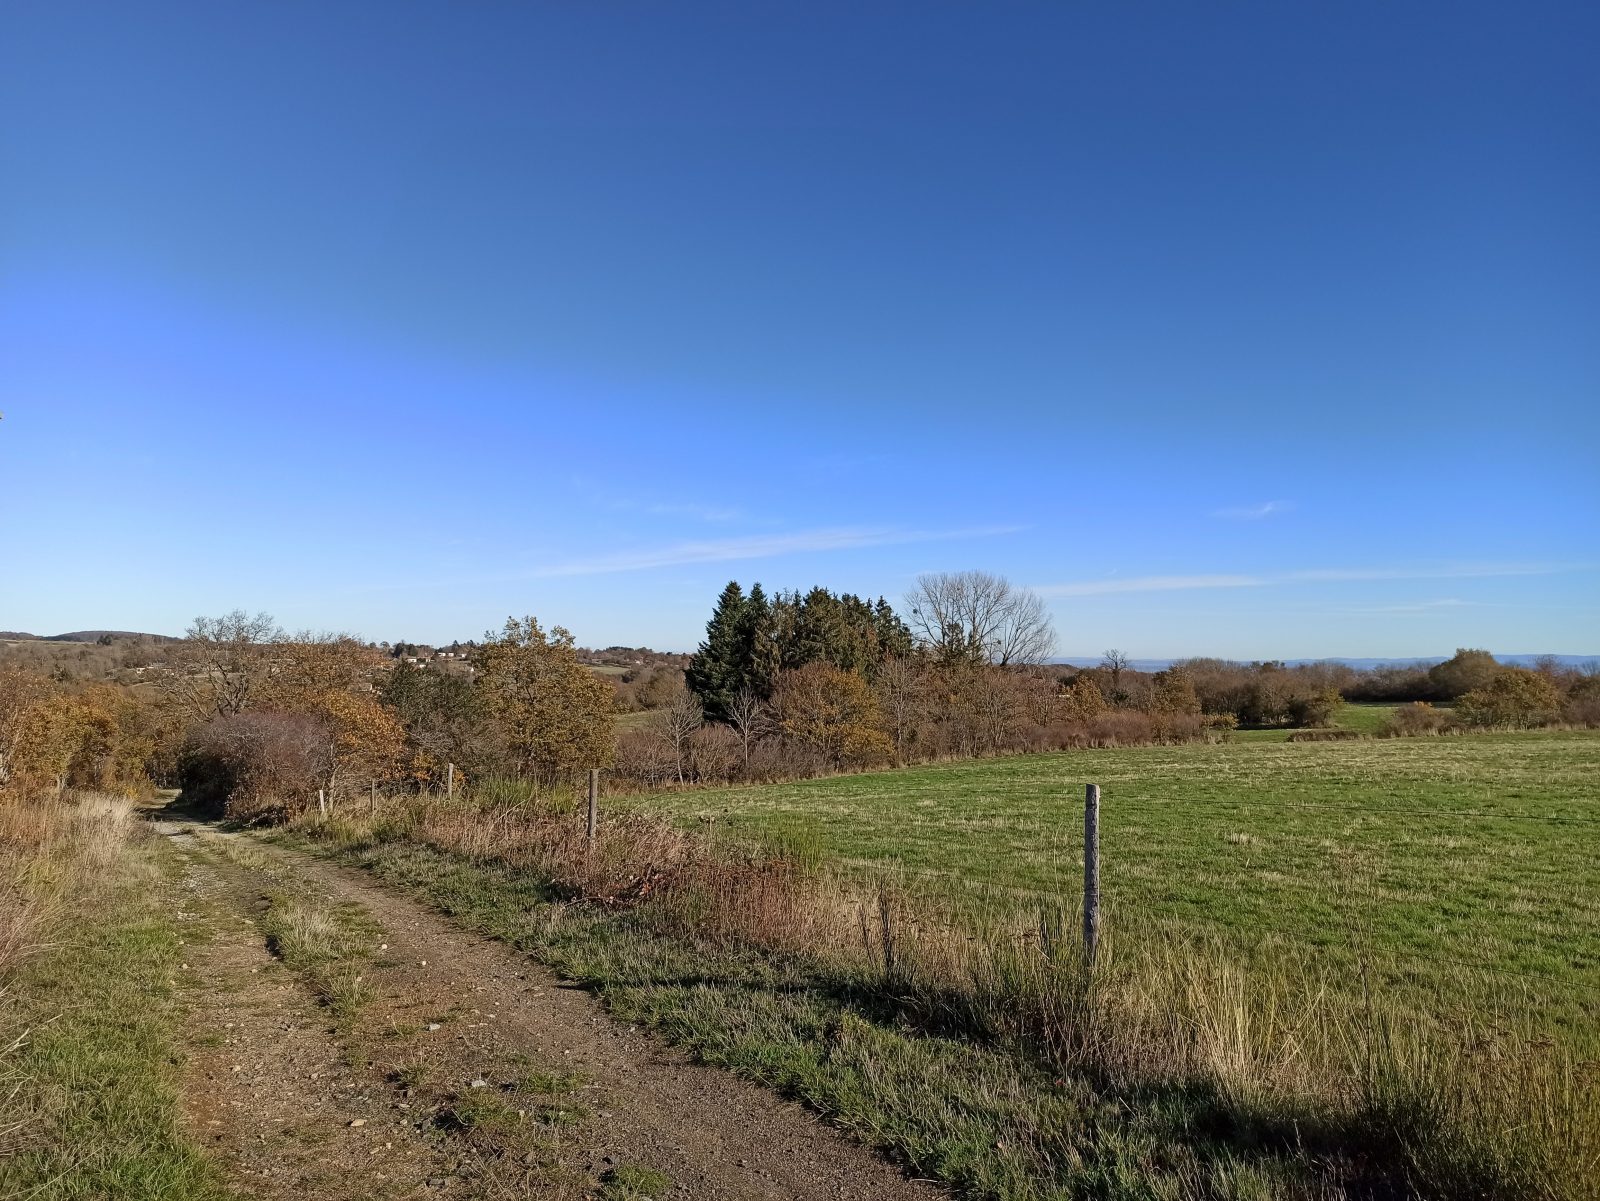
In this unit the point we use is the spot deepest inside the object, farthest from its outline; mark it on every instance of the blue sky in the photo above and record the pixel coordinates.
(1254, 330)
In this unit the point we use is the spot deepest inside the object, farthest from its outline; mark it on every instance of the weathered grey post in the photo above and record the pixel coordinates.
(372, 799)
(1091, 872)
(322, 802)
(594, 803)
(450, 780)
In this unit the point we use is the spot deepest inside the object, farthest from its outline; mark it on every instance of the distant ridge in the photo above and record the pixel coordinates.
(80, 636)
(1358, 664)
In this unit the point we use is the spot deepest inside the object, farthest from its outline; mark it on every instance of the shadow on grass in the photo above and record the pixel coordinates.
(667, 981)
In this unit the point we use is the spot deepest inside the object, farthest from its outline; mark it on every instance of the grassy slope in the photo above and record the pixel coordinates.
(98, 1086)
(1424, 859)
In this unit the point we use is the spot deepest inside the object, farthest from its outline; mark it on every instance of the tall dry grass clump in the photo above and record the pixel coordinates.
(51, 849)
(1272, 1051)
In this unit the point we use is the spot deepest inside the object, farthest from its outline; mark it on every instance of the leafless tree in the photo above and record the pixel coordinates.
(901, 697)
(973, 616)
(220, 663)
(749, 719)
(988, 700)
(1115, 662)
(677, 722)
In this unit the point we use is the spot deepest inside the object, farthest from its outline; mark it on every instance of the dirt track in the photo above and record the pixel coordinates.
(296, 1105)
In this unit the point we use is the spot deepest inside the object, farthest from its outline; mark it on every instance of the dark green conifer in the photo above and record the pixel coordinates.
(714, 672)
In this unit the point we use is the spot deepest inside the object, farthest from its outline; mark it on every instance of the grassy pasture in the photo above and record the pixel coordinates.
(1441, 873)
(1364, 717)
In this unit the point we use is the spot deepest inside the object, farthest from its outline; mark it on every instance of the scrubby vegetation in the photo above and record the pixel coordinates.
(249, 718)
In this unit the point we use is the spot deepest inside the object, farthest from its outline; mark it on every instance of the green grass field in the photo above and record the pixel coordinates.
(1364, 717)
(1439, 870)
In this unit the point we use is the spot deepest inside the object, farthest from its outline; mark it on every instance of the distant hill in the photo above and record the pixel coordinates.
(80, 636)
(1358, 664)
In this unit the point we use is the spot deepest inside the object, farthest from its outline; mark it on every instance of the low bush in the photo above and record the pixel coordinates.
(1417, 719)
(255, 766)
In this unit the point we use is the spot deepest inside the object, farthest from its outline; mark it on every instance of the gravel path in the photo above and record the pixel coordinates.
(275, 1084)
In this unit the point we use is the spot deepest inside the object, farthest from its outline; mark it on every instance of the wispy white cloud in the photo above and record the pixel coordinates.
(1179, 583)
(603, 495)
(1254, 512)
(1455, 571)
(1148, 583)
(762, 546)
(698, 512)
(1417, 606)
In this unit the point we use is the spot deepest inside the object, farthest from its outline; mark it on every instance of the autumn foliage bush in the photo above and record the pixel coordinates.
(257, 765)
(1418, 719)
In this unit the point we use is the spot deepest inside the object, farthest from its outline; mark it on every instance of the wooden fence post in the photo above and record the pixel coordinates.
(322, 802)
(372, 799)
(594, 803)
(450, 780)
(1091, 872)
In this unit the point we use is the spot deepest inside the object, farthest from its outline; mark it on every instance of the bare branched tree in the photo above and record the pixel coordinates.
(973, 616)
(749, 719)
(1114, 663)
(220, 664)
(902, 698)
(677, 722)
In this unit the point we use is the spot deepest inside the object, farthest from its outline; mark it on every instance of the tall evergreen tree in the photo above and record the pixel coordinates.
(759, 657)
(751, 639)
(714, 673)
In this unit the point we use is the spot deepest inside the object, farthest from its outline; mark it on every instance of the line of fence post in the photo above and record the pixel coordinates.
(594, 803)
(1091, 872)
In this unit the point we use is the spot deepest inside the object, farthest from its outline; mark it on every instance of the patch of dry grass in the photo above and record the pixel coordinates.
(327, 943)
(88, 1103)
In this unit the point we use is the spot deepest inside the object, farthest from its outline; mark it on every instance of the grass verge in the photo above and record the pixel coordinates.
(91, 1100)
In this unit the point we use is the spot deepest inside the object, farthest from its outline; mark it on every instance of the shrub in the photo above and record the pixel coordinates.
(832, 711)
(1465, 671)
(1315, 708)
(1582, 707)
(257, 765)
(1516, 697)
(713, 754)
(642, 757)
(1121, 727)
(1416, 719)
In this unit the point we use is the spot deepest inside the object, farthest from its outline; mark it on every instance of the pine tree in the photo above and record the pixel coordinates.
(759, 657)
(714, 672)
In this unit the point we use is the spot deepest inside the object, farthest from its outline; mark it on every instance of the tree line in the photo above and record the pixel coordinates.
(249, 718)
